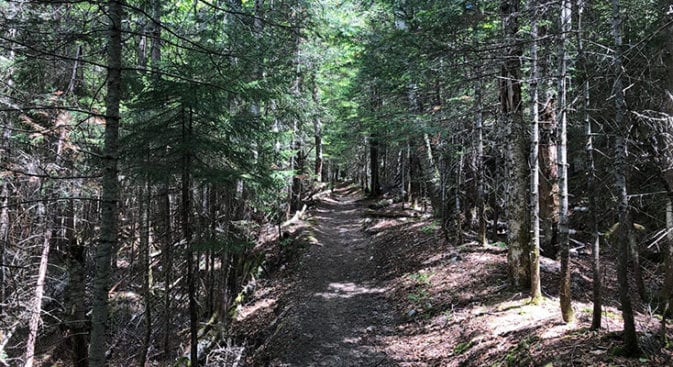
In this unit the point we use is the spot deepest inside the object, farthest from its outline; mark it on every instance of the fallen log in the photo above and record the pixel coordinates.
(297, 216)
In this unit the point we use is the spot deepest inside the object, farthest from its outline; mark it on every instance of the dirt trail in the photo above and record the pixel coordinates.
(399, 295)
(341, 312)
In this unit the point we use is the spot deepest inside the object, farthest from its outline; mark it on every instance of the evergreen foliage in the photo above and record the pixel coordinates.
(224, 107)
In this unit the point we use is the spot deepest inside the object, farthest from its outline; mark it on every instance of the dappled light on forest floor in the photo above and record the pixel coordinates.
(456, 307)
(347, 290)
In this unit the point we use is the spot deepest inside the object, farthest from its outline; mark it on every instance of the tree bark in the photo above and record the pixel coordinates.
(110, 195)
(145, 252)
(549, 184)
(297, 179)
(667, 289)
(36, 306)
(318, 171)
(535, 288)
(429, 175)
(457, 197)
(518, 256)
(564, 241)
(548, 151)
(634, 256)
(76, 319)
(630, 337)
(479, 146)
(155, 49)
(4, 233)
(5, 153)
(165, 215)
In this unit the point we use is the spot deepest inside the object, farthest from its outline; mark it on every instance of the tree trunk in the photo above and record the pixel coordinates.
(402, 174)
(549, 183)
(4, 238)
(634, 256)
(186, 214)
(36, 306)
(156, 37)
(548, 152)
(297, 164)
(164, 199)
(518, 256)
(535, 288)
(667, 289)
(4, 215)
(76, 319)
(591, 177)
(319, 171)
(145, 253)
(408, 171)
(363, 173)
(564, 241)
(501, 171)
(297, 141)
(165, 215)
(430, 175)
(213, 210)
(5, 153)
(458, 213)
(110, 195)
(630, 336)
(479, 151)
(375, 185)
(297, 178)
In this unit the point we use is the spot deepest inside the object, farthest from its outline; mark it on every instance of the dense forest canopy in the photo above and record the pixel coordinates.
(149, 148)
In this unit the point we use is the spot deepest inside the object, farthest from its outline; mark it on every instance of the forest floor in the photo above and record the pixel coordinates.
(363, 287)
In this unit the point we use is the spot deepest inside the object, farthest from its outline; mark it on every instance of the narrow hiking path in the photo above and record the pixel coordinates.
(390, 291)
(340, 311)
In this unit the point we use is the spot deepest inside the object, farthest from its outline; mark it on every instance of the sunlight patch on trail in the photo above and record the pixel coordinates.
(347, 290)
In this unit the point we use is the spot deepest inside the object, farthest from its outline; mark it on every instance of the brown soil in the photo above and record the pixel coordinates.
(391, 292)
(337, 312)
